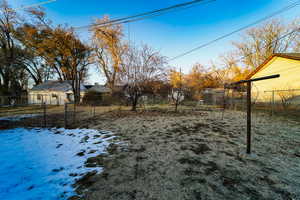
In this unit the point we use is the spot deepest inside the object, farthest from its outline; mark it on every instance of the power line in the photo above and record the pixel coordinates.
(139, 19)
(146, 15)
(154, 15)
(236, 31)
(35, 5)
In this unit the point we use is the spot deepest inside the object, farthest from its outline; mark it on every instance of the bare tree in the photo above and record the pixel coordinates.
(261, 42)
(10, 74)
(140, 68)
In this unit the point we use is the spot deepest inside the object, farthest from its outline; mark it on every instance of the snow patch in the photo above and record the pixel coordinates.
(44, 163)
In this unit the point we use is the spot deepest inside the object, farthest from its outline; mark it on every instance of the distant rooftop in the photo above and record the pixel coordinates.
(62, 86)
(100, 88)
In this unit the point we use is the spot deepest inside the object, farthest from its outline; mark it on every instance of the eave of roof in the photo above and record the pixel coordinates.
(56, 86)
(293, 56)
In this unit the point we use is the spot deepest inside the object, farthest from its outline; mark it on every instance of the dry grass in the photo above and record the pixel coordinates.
(192, 154)
(195, 155)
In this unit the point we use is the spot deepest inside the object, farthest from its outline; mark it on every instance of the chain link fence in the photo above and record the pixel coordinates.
(19, 112)
(280, 103)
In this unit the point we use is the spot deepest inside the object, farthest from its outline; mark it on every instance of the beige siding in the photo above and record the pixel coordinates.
(289, 71)
(49, 97)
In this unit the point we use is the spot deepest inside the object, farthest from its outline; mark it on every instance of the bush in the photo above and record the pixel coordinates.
(92, 98)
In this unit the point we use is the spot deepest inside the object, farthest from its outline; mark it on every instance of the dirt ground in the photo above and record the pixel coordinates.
(194, 155)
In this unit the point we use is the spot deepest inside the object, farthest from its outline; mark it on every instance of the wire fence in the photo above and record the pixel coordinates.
(280, 103)
(20, 111)
(23, 111)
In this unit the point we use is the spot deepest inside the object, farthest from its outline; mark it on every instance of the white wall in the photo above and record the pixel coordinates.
(49, 97)
(46, 96)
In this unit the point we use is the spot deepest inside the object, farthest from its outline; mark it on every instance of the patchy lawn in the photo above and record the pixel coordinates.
(195, 155)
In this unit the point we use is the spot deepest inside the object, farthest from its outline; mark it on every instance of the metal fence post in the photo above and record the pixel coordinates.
(45, 112)
(94, 111)
(273, 103)
(65, 116)
(74, 113)
(231, 101)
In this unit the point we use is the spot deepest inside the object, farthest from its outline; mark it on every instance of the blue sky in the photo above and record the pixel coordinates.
(174, 32)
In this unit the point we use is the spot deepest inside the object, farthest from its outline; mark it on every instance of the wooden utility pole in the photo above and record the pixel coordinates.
(249, 81)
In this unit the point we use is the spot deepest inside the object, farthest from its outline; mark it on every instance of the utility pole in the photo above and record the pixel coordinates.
(249, 81)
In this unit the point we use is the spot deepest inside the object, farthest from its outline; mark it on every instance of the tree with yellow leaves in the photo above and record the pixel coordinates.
(177, 83)
(232, 72)
(109, 49)
(62, 50)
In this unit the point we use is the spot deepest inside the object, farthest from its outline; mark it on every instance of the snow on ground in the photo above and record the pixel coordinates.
(43, 163)
(18, 117)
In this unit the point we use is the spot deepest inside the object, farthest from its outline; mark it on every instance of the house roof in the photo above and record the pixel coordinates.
(293, 56)
(62, 86)
(100, 88)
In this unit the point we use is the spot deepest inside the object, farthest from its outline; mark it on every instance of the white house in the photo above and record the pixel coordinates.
(53, 93)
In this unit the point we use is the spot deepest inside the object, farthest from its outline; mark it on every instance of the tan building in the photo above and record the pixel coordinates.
(214, 96)
(287, 86)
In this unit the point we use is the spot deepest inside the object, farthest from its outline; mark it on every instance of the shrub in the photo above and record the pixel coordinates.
(92, 98)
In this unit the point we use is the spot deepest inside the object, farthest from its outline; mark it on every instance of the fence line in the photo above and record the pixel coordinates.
(44, 115)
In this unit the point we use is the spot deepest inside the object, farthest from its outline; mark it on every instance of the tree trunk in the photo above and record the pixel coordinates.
(134, 103)
(133, 108)
(176, 106)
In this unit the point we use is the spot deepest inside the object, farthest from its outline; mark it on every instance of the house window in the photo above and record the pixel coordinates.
(39, 97)
(54, 95)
